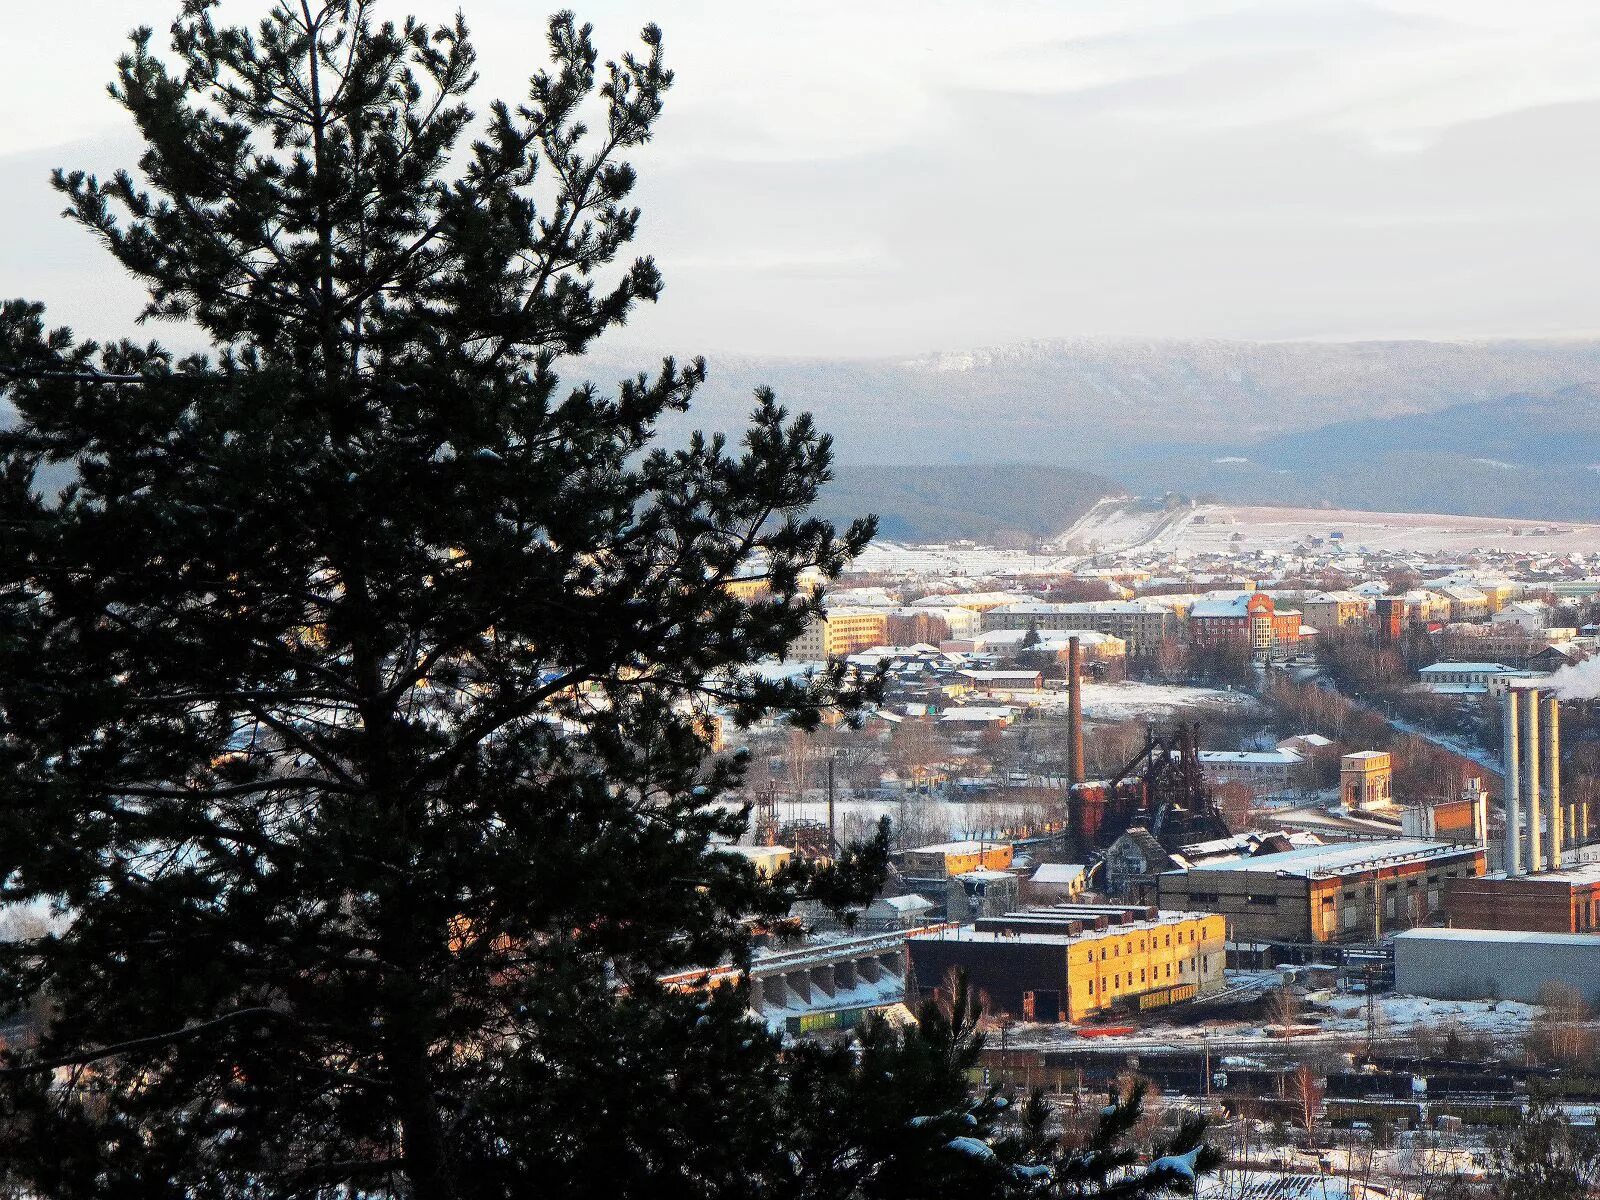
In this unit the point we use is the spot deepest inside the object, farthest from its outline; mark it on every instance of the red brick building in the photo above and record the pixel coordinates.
(1552, 902)
(1250, 618)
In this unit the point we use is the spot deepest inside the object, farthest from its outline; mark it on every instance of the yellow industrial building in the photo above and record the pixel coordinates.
(1075, 961)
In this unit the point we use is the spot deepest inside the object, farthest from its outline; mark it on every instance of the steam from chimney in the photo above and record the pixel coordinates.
(1580, 681)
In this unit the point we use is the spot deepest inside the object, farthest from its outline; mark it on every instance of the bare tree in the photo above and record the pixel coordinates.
(1306, 1090)
(1560, 1033)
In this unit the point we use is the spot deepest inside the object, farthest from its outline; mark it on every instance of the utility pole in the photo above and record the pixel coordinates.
(1372, 1007)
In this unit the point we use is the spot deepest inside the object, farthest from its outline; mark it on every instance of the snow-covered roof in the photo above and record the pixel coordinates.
(1328, 860)
(998, 712)
(962, 600)
(956, 848)
(909, 903)
(1310, 739)
(1498, 936)
(1265, 758)
(1474, 668)
(1058, 873)
(1083, 607)
(1232, 606)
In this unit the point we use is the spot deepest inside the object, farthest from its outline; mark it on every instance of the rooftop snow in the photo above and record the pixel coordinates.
(1315, 860)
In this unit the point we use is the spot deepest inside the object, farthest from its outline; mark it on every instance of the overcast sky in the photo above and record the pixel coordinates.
(870, 176)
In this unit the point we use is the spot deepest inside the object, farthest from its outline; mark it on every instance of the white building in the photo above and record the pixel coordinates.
(1531, 615)
(1269, 769)
(1469, 678)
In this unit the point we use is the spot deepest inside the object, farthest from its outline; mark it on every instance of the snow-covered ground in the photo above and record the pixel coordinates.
(958, 819)
(1131, 699)
(1339, 1018)
(1213, 528)
(957, 561)
(1409, 1014)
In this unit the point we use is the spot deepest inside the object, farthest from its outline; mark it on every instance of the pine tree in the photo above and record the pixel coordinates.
(354, 693)
(355, 684)
(897, 1118)
(1545, 1157)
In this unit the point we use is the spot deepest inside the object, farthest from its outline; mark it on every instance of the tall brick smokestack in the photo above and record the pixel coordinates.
(1075, 708)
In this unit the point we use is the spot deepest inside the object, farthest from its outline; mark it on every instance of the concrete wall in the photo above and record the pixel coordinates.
(1472, 964)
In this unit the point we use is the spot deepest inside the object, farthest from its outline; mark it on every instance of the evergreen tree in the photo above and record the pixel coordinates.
(355, 691)
(898, 1119)
(1545, 1157)
(355, 688)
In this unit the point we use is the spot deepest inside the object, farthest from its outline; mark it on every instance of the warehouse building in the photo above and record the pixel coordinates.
(1315, 894)
(1500, 964)
(1069, 962)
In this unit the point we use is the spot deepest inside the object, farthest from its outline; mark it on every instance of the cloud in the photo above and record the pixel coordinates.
(840, 177)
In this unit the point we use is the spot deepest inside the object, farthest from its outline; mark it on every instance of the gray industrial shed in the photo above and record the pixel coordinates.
(1480, 964)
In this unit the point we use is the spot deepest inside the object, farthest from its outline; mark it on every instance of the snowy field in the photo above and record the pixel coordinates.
(1212, 528)
(1409, 1014)
(1130, 700)
(956, 561)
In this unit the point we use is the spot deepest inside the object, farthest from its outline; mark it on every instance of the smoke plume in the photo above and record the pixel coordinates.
(1580, 681)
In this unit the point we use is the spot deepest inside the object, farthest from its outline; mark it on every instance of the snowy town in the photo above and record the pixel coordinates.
(1300, 836)
(827, 601)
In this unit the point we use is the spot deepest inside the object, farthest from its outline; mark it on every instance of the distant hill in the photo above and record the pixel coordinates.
(1518, 456)
(1100, 405)
(1001, 504)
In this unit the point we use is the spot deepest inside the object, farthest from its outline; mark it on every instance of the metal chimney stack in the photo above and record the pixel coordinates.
(1513, 785)
(1533, 784)
(1075, 709)
(1530, 781)
(1552, 774)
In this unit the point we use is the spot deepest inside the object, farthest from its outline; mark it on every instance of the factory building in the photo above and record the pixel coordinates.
(948, 859)
(1319, 894)
(1476, 964)
(1262, 770)
(1069, 962)
(1542, 886)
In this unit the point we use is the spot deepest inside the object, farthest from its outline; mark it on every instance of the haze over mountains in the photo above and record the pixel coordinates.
(1501, 428)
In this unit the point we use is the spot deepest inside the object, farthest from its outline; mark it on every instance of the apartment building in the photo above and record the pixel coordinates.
(1251, 618)
(1140, 624)
(1330, 610)
(839, 632)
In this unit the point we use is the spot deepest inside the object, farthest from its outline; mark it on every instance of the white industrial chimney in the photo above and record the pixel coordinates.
(1552, 774)
(1530, 780)
(1512, 755)
(1533, 784)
